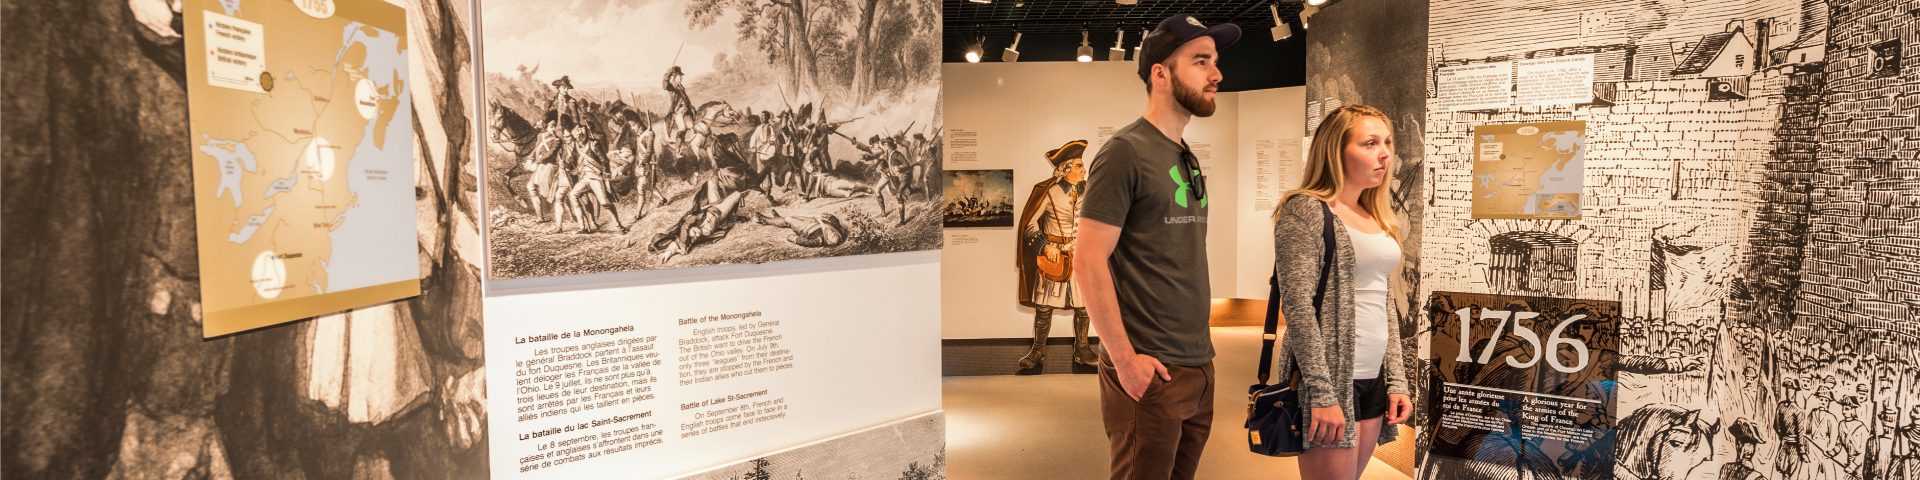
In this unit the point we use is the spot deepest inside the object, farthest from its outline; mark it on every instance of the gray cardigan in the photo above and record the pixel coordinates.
(1322, 342)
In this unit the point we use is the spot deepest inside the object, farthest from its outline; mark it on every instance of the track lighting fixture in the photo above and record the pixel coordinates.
(1012, 54)
(1086, 50)
(1117, 53)
(977, 47)
(1280, 29)
(1143, 42)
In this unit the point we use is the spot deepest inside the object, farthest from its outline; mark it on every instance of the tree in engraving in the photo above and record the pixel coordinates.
(760, 470)
(837, 43)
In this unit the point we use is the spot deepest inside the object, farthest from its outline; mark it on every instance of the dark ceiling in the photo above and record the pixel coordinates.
(1050, 32)
(1054, 17)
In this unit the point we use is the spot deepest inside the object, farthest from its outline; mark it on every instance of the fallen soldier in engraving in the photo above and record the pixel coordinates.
(709, 218)
(821, 231)
(835, 186)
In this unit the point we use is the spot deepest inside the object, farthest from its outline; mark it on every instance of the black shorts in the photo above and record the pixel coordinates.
(1369, 398)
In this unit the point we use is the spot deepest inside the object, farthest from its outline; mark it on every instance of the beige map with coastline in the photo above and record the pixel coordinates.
(303, 158)
(1529, 170)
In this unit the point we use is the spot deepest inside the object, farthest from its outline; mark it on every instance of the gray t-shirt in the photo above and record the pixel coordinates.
(1160, 264)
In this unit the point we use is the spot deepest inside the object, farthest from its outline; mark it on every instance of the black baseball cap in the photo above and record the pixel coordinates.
(1177, 30)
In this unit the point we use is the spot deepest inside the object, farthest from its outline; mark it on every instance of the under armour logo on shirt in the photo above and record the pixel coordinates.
(1180, 195)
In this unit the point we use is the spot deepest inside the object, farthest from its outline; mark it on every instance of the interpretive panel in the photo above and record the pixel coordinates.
(1524, 382)
(1554, 81)
(1530, 170)
(1478, 86)
(681, 377)
(302, 136)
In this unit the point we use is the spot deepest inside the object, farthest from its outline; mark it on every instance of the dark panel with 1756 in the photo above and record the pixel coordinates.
(1523, 384)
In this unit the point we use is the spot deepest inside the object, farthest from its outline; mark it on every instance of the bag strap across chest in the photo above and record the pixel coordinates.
(1272, 324)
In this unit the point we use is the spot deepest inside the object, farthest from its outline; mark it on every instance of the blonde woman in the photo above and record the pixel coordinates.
(1347, 351)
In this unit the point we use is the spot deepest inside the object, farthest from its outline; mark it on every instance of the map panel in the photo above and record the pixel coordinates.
(1529, 170)
(301, 119)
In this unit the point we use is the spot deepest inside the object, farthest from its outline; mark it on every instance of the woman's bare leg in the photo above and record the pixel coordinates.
(1366, 437)
(1329, 462)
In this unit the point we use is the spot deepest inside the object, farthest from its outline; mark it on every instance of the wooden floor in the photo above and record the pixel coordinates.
(1239, 312)
(1019, 427)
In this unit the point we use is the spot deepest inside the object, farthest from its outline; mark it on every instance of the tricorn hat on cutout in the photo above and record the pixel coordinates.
(1071, 150)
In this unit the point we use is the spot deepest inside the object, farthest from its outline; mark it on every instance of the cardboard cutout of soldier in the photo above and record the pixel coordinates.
(1045, 254)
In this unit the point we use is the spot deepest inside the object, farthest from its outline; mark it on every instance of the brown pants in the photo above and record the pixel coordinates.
(1160, 436)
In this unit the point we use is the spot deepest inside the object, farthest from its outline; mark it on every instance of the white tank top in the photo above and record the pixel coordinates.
(1375, 258)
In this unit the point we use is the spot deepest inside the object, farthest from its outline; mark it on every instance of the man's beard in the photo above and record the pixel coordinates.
(1192, 99)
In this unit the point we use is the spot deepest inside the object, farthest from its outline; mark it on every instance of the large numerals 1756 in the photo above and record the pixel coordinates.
(1554, 340)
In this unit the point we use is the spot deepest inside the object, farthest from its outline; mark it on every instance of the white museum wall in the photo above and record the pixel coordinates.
(1007, 116)
(1272, 128)
(862, 355)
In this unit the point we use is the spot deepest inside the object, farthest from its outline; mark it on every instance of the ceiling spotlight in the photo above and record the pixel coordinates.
(977, 47)
(1314, 3)
(1117, 53)
(1280, 29)
(1013, 52)
(1086, 50)
(981, 1)
(1308, 12)
(1127, 2)
(1143, 42)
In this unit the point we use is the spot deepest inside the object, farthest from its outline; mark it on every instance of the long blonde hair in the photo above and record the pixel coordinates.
(1326, 167)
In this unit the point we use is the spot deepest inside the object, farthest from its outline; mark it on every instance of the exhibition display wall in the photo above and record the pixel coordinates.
(1008, 116)
(729, 149)
(1272, 136)
(732, 141)
(105, 370)
(1718, 190)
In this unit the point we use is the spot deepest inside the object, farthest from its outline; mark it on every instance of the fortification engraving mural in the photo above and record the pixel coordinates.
(1750, 178)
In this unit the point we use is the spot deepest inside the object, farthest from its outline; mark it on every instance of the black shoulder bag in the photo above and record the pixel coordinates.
(1273, 412)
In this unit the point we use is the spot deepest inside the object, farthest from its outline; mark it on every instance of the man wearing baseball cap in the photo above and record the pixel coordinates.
(1142, 261)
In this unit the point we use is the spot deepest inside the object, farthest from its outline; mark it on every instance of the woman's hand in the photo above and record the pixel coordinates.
(1328, 426)
(1399, 407)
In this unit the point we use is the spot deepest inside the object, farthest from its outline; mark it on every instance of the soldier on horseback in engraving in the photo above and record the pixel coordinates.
(564, 101)
(680, 109)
